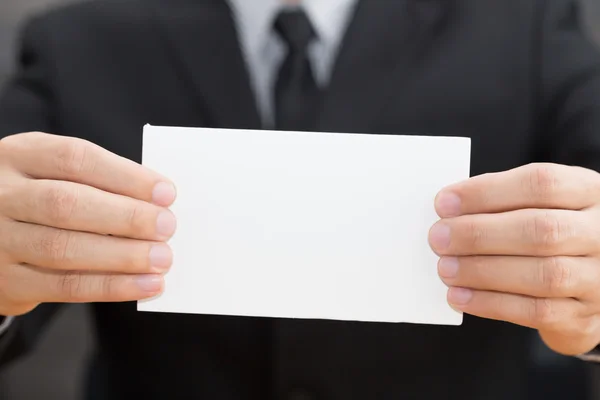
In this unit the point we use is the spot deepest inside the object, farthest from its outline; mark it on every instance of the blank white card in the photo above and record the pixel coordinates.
(305, 225)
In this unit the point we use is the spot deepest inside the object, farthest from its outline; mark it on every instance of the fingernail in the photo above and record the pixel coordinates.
(448, 267)
(448, 205)
(161, 257)
(149, 283)
(163, 194)
(166, 224)
(459, 296)
(439, 236)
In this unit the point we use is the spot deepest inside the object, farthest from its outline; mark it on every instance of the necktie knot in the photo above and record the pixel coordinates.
(295, 28)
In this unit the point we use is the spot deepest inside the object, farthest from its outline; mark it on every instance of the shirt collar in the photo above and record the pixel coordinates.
(321, 13)
(256, 17)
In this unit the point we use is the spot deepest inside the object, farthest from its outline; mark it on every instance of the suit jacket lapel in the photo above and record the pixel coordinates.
(381, 50)
(203, 35)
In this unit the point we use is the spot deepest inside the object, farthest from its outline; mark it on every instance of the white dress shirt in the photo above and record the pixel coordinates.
(265, 52)
(4, 324)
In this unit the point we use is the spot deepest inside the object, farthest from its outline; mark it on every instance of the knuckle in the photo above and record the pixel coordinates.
(546, 231)
(74, 159)
(9, 143)
(133, 260)
(108, 287)
(15, 142)
(136, 218)
(31, 136)
(70, 286)
(499, 303)
(56, 246)
(476, 235)
(541, 312)
(543, 181)
(139, 260)
(476, 270)
(59, 202)
(555, 275)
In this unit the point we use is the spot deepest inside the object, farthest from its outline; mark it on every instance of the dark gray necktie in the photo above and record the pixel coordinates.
(297, 95)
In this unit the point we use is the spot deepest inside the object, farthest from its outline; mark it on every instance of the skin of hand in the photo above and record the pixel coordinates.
(523, 246)
(79, 224)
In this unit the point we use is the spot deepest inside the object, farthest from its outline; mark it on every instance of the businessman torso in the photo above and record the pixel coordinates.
(102, 70)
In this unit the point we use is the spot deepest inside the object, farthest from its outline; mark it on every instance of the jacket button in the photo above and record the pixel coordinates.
(299, 394)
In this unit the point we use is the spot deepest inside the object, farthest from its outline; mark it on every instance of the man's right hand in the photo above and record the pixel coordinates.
(79, 224)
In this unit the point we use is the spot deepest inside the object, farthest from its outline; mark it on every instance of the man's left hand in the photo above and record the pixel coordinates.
(523, 246)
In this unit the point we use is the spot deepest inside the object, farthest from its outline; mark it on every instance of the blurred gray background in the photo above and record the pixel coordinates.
(55, 369)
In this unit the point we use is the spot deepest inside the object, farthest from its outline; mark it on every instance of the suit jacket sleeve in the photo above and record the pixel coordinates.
(26, 105)
(569, 91)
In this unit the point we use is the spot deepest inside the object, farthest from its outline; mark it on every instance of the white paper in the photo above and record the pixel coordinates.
(305, 225)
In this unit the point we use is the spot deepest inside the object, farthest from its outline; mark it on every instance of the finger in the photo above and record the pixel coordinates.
(574, 342)
(30, 284)
(68, 250)
(78, 207)
(547, 277)
(532, 186)
(531, 312)
(517, 233)
(44, 156)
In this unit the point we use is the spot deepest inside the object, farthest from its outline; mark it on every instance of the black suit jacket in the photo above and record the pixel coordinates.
(516, 76)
